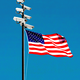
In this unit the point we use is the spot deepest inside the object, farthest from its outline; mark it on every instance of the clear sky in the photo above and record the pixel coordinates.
(48, 17)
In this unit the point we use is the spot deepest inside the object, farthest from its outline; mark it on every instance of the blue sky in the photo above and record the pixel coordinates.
(48, 17)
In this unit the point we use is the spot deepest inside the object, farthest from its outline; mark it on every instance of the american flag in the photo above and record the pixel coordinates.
(53, 44)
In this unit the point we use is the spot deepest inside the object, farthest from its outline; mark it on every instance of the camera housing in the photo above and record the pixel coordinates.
(26, 7)
(27, 26)
(27, 16)
(20, 20)
(19, 9)
(21, 1)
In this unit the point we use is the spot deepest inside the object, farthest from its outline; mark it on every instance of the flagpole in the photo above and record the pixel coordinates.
(23, 44)
(22, 21)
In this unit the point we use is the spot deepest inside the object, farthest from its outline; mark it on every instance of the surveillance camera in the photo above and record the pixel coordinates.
(19, 9)
(20, 20)
(26, 16)
(27, 26)
(26, 7)
(21, 1)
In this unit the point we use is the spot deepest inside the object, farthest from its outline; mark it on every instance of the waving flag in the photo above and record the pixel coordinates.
(53, 44)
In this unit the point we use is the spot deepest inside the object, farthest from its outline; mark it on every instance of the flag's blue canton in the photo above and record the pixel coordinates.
(35, 37)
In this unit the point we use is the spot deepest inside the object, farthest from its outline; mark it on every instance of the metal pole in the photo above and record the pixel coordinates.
(23, 44)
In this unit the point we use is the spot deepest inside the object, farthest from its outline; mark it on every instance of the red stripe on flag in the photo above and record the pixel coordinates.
(38, 53)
